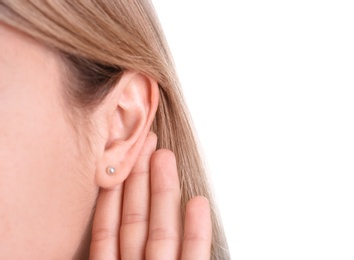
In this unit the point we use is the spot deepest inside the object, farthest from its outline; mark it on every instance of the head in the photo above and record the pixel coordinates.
(81, 86)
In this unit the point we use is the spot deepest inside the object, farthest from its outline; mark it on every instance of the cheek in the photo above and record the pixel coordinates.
(45, 196)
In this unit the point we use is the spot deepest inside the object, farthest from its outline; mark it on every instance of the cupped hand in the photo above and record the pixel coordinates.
(141, 219)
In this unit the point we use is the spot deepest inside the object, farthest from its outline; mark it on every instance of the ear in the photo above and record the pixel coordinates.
(124, 121)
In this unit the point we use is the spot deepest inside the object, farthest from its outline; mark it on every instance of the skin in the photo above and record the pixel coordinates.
(50, 179)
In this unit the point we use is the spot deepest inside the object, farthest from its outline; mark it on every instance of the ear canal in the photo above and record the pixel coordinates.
(110, 170)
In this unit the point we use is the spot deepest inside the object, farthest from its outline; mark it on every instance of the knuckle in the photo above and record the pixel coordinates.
(163, 190)
(195, 237)
(163, 234)
(139, 172)
(103, 234)
(133, 218)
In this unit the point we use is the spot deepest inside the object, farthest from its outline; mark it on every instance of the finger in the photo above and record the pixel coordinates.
(136, 205)
(165, 220)
(197, 230)
(104, 241)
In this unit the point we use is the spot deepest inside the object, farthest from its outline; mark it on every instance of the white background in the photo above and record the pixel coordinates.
(270, 88)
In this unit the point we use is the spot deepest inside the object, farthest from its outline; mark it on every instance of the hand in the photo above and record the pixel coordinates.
(142, 220)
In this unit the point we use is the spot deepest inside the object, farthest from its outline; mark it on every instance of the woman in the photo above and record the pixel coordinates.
(87, 93)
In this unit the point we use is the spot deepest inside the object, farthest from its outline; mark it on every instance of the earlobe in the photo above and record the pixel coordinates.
(127, 114)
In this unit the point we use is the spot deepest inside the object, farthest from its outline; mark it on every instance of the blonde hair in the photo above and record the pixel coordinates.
(100, 39)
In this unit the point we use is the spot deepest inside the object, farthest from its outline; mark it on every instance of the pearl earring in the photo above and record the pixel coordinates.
(110, 170)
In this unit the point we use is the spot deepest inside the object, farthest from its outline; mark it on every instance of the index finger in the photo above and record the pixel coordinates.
(105, 230)
(136, 204)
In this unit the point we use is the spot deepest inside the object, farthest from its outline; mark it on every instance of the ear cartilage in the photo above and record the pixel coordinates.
(110, 170)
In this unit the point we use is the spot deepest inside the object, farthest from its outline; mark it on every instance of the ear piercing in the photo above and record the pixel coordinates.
(110, 170)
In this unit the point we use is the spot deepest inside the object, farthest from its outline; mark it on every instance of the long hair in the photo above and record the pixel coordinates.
(98, 40)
